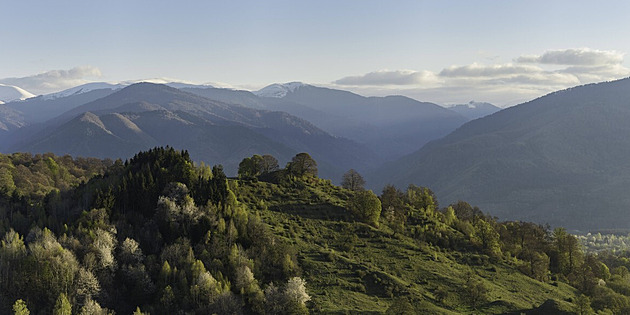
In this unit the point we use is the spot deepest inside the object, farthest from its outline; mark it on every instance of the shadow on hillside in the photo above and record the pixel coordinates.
(550, 306)
(321, 211)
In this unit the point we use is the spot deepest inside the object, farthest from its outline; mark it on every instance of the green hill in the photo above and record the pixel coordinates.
(159, 235)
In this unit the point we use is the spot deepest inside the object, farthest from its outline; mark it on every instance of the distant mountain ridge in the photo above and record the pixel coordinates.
(341, 129)
(474, 110)
(560, 159)
(391, 125)
(143, 115)
(278, 90)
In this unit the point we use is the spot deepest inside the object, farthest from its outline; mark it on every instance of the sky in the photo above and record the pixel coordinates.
(447, 52)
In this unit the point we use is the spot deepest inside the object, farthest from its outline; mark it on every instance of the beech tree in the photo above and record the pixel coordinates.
(257, 165)
(302, 164)
(269, 164)
(352, 180)
(366, 206)
(247, 168)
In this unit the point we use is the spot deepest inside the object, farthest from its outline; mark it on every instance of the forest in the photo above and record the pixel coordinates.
(161, 234)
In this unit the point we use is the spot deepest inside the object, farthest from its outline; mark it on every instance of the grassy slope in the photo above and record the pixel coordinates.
(364, 274)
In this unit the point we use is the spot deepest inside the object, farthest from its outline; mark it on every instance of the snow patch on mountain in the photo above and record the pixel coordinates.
(170, 82)
(83, 89)
(10, 93)
(278, 90)
(474, 110)
(116, 86)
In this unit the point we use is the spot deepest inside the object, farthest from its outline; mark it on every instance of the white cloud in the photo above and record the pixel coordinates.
(575, 57)
(502, 84)
(478, 70)
(387, 77)
(54, 80)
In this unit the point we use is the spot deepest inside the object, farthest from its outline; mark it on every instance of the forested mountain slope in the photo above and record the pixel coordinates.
(561, 159)
(158, 235)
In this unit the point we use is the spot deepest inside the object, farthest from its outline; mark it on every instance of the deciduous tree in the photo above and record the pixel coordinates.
(302, 164)
(352, 180)
(366, 206)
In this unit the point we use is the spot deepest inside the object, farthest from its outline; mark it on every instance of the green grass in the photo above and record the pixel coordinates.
(351, 267)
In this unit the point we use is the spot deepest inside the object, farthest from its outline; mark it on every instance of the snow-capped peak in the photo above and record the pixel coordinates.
(278, 90)
(83, 89)
(178, 84)
(115, 86)
(9, 93)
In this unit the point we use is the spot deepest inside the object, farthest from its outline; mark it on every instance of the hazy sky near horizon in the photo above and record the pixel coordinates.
(504, 52)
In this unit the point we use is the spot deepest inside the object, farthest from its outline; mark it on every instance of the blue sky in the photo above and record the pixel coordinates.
(447, 52)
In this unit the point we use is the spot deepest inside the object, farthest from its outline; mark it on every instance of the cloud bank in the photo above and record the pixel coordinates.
(505, 84)
(386, 77)
(575, 57)
(54, 80)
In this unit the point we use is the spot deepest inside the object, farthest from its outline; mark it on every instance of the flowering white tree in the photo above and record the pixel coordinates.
(296, 290)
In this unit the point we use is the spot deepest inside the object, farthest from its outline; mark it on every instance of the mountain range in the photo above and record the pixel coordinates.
(144, 115)
(342, 130)
(392, 126)
(560, 159)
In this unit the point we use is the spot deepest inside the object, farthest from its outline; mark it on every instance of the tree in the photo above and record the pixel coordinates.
(567, 251)
(257, 165)
(87, 285)
(138, 311)
(302, 164)
(19, 308)
(366, 206)
(464, 211)
(92, 307)
(246, 168)
(421, 198)
(104, 244)
(269, 164)
(474, 291)
(394, 209)
(296, 296)
(583, 305)
(352, 180)
(486, 237)
(12, 251)
(62, 306)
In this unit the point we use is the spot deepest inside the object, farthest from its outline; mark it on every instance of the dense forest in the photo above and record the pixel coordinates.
(159, 234)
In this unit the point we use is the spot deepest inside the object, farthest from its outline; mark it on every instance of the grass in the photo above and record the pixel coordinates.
(351, 267)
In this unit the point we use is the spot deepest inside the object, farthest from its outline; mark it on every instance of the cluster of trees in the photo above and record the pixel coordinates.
(34, 176)
(158, 234)
(257, 165)
(543, 254)
(598, 242)
(155, 234)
